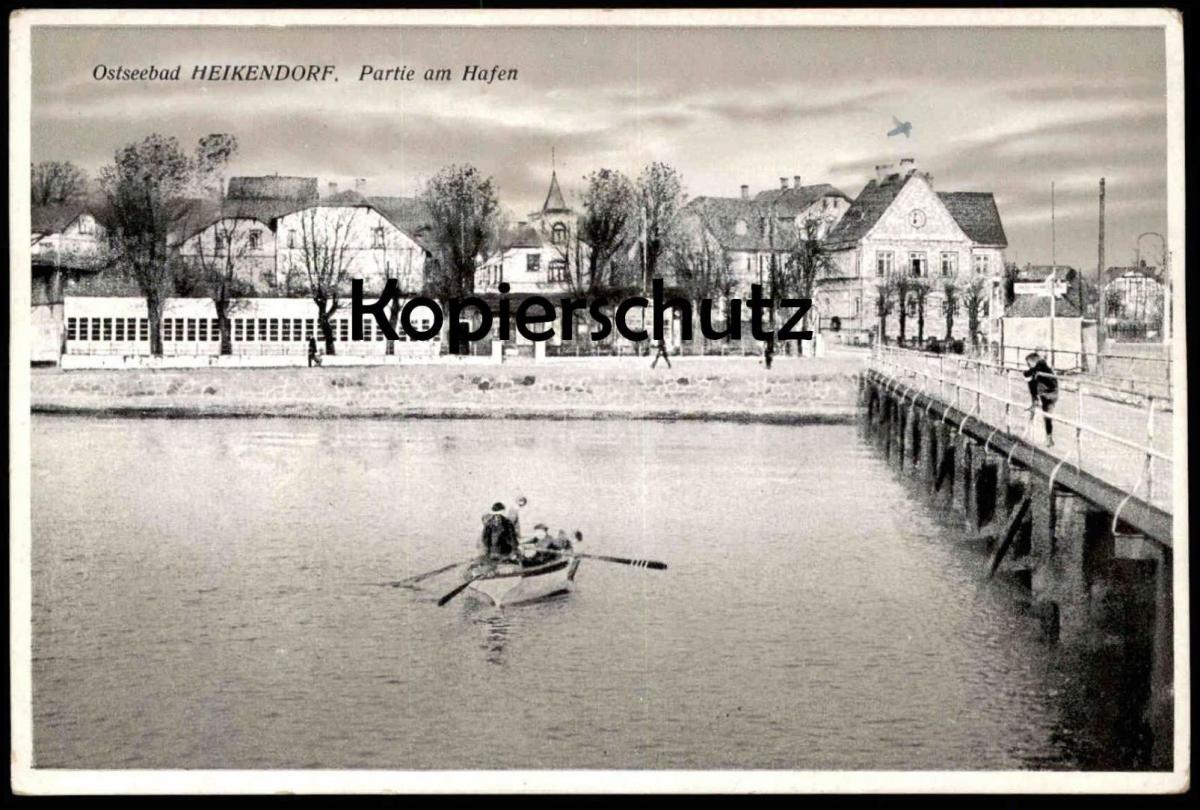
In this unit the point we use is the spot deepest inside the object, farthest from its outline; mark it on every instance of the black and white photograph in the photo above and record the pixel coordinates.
(598, 402)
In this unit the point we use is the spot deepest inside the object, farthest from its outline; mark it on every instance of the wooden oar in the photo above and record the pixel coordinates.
(463, 587)
(415, 579)
(655, 564)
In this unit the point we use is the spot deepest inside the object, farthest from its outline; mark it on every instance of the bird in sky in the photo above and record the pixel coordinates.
(902, 128)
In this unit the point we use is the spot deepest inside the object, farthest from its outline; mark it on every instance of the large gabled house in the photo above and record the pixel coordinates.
(275, 227)
(745, 234)
(899, 226)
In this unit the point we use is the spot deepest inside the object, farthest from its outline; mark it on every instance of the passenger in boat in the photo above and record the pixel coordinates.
(499, 536)
(561, 542)
(514, 514)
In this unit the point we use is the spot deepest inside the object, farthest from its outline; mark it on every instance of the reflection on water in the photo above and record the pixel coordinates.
(222, 594)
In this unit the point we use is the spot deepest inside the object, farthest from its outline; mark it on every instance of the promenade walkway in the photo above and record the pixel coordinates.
(1120, 434)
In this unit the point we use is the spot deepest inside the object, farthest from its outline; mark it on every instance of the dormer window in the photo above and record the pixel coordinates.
(85, 225)
(377, 240)
(740, 227)
(558, 234)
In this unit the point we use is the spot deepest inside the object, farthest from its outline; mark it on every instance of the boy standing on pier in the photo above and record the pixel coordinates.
(1043, 389)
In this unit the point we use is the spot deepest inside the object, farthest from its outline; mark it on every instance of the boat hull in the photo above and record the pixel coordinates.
(514, 584)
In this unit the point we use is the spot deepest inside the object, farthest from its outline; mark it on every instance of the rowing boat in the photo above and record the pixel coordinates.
(513, 583)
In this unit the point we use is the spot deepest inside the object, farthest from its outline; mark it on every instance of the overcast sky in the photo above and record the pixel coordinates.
(1000, 110)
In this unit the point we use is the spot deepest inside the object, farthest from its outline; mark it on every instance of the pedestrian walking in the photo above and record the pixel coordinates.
(661, 353)
(313, 357)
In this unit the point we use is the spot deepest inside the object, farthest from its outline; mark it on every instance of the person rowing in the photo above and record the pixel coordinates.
(499, 536)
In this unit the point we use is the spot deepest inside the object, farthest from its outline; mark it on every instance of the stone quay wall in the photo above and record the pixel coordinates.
(795, 390)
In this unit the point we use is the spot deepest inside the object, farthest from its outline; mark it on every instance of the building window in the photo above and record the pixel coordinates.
(249, 329)
(108, 328)
(949, 264)
(131, 328)
(533, 262)
(203, 326)
(379, 335)
(377, 239)
(95, 331)
(71, 326)
(143, 329)
(343, 330)
(981, 263)
(179, 324)
(168, 328)
(85, 226)
(558, 234)
(885, 262)
(214, 329)
(916, 264)
(558, 270)
(255, 239)
(120, 329)
(291, 239)
(308, 328)
(191, 328)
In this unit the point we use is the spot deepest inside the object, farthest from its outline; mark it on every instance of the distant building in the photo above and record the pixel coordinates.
(1134, 298)
(899, 226)
(68, 243)
(745, 234)
(540, 255)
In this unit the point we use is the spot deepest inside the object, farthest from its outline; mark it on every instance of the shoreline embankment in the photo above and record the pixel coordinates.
(793, 391)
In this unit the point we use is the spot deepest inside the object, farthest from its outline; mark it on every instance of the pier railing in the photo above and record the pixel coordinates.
(1123, 443)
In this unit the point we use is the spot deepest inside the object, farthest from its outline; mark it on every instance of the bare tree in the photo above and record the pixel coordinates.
(216, 264)
(605, 228)
(920, 289)
(903, 288)
(885, 291)
(144, 186)
(701, 270)
(808, 260)
(317, 267)
(464, 217)
(54, 182)
(951, 290)
(404, 264)
(660, 198)
(215, 260)
(975, 294)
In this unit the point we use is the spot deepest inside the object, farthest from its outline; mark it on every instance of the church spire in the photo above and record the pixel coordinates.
(554, 198)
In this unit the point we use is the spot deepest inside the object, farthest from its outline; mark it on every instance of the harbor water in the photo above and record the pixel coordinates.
(218, 594)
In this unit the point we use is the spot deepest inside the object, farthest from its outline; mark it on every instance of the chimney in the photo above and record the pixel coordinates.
(907, 164)
(332, 188)
(882, 170)
(796, 181)
(745, 192)
(783, 184)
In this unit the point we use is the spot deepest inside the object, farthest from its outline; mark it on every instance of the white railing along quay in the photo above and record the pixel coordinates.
(1114, 441)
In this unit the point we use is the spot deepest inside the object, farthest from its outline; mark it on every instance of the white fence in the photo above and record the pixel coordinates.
(1126, 443)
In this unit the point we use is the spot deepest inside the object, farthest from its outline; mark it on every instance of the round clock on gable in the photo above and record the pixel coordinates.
(917, 218)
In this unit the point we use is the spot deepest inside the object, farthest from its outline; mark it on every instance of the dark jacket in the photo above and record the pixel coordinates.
(1042, 382)
(499, 536)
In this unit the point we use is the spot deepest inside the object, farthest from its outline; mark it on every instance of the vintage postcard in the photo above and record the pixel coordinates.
(598, 401)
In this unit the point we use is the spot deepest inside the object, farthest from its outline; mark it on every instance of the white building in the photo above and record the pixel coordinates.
(899, 226)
